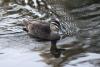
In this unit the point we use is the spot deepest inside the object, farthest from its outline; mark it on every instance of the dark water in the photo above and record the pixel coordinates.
(81, 50)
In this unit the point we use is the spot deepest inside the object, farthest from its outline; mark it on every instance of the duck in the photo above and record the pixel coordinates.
(45, 31)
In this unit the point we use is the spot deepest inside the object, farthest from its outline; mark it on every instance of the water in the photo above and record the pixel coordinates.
(17, 49)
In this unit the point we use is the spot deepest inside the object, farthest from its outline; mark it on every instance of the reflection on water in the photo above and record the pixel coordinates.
(17, 47)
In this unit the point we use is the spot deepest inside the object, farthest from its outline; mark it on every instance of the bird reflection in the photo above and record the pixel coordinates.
(56, 52)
